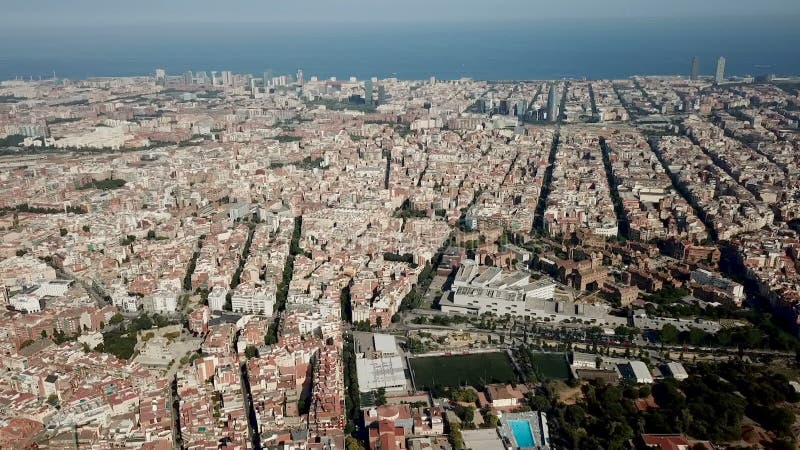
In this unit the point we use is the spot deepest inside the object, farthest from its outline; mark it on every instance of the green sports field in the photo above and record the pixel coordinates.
(462, 370)
(551, 365)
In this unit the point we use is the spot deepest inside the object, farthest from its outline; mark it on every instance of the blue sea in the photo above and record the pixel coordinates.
(545, 49)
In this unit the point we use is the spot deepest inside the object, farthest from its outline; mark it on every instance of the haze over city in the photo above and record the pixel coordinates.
(46, 13)
(418, 225)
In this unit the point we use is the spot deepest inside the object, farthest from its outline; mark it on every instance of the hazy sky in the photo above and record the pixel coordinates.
(46, 13)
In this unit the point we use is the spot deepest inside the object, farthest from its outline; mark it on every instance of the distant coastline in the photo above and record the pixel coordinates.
(492, 51)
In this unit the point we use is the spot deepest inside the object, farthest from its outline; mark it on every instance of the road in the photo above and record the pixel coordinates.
(520, 332)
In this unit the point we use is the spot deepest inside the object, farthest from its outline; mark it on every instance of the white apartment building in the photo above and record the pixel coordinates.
(123, 301)
(216, 298)
(127, 303)
(253, 299)
(162, 302)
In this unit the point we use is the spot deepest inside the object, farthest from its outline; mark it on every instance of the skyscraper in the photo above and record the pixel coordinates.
(552, 106)
(521, 108)
(188, 77)
(381, 94)
(161, 77)
(368, 91)
(227, 77)
(695, 68)
(300, 77)
(720, 76)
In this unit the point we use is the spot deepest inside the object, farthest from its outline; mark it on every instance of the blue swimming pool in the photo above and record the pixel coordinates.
(522, 433)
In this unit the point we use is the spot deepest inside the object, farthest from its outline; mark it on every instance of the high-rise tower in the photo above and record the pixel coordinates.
(720, 75)
(368, 91)
(381, 94)
(695, 68)
(552, 105)
(161, 77)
